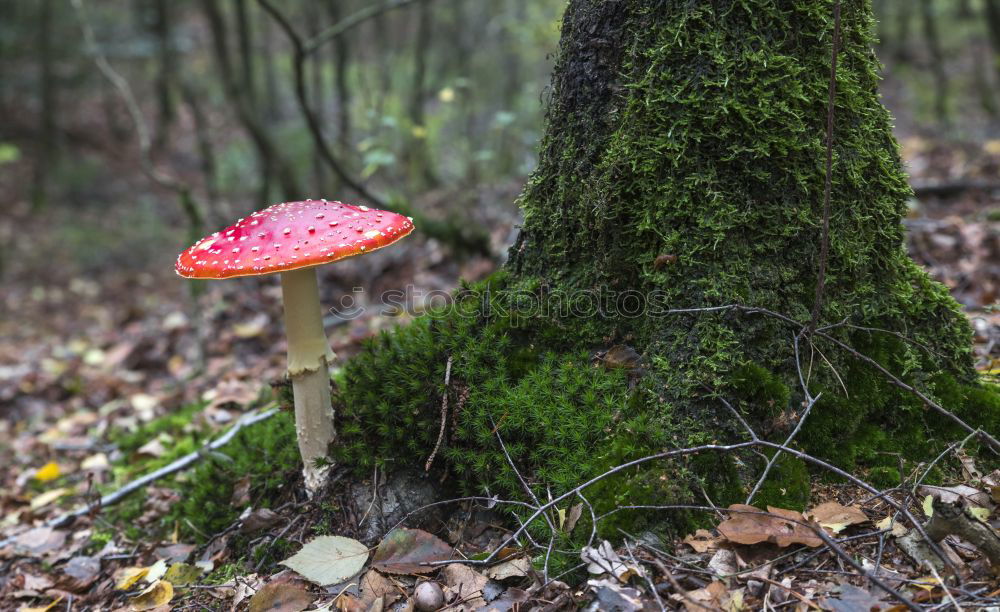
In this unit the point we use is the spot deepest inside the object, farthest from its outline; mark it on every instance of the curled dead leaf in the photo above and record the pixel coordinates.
(408, 551)
(702, 541)
(836, 517)
(750, 525)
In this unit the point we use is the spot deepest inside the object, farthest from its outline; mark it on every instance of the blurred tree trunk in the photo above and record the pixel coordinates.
(46, 158)
(206, 152)
(992, 9)
(314, 19)
(418, 158)
(341, 50)
(936, 56)
(386, 51)
(247, 57)
(902, 37)
(272, 109)
(269, 155)
(466, 29)
(963, 9)
(981, 79)
(166, 76)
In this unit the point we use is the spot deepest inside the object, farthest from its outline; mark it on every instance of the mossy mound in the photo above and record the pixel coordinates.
(682, 167)
(566, 417)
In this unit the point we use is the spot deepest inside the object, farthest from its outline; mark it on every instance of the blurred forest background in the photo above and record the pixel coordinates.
(429, 106)
(131, 128)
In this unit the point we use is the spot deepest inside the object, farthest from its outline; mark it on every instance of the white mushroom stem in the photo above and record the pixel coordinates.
(308, 354)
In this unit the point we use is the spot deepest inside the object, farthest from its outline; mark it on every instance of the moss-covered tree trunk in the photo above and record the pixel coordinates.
(683, 167)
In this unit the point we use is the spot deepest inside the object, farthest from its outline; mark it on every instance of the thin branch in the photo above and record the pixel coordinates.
(645, 577)
(531, 494)
(777, 454)
(176, 466)
(444, 416)
(824, 248)
(349, 22)
(840, 552)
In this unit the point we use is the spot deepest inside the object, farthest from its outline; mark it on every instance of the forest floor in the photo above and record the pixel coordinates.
(104, 380)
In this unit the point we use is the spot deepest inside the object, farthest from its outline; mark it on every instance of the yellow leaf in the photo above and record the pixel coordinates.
(419, 132)
(45, 609)
(928, 506)
(992, 147)
(980, 513)
(898, 529)
(44, 499)
(158, 593)
(129, 576)
(446, 95)
(927, 583)
(49, 471)
(182, 574)
(562, 517)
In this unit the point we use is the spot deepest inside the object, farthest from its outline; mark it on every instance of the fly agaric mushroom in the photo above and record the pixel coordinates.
(291, 239)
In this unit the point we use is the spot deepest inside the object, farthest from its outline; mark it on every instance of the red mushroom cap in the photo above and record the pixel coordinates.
(290, 236)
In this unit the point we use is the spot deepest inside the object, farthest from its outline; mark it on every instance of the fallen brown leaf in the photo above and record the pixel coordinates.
(281, 597)
(749, 525)
(836, 517)
(702, 541)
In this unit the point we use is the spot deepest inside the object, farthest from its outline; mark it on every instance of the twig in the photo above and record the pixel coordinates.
(824, 248)
(351, 21)
(809, 406)
(944, 587)
(444, 416)
(593, 519)
(805, 600)
(991, 441)
(176, 466)
(281, 534)
(361, 521)
(645, 576)
(777, 455)
(677, 586)
(534, 498)
(840, 552)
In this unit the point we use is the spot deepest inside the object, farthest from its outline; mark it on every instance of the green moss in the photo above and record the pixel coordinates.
(697, 132)
(265, 452)
(224, 573)
(763, 392)
(788, 485)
